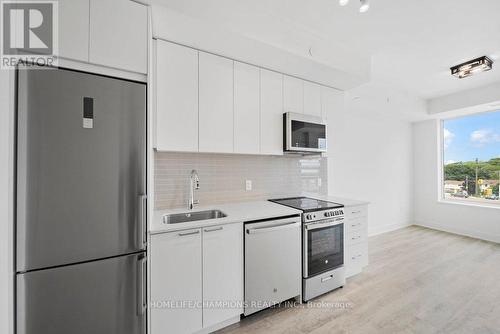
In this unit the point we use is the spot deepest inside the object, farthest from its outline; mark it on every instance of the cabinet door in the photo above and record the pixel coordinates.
(176, 97)
(74, 29)
(246, 109)
(216, 104)
(312, 99)
(271, 112)
(119, 34)
(293, 94)
(332, 100)
(222, 273)
(176, 276)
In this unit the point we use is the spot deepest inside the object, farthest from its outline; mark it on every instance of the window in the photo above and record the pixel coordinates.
(471, 158)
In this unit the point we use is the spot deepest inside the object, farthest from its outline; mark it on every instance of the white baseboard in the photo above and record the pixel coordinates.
(386, 228)
(460, 231)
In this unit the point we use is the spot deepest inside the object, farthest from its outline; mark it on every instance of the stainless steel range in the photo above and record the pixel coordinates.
(322, 244)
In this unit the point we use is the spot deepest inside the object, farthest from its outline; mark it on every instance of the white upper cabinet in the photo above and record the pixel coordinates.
(176, 98)
(176, 276)
(246, 109)
(216, 104)
(271, 112)
(312, 99)
(293, 94)
(332, 100)
(74, 29)
(119, 34)
(222, 272)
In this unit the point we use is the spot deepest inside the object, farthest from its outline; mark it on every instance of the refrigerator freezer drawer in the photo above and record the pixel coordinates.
(99, 297)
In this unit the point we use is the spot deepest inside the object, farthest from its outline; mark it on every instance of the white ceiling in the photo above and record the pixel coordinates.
(411, 43)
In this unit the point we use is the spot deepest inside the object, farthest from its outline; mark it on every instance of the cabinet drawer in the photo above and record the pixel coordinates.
(356, 223)
(356, 211)
(356, 236)
(357, 255)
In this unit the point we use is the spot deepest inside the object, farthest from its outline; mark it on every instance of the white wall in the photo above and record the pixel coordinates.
(474, 221)
(6, 274)
(370, 156)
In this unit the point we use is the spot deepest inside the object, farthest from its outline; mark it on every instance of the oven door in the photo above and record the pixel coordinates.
(304, 133)
(323, 246)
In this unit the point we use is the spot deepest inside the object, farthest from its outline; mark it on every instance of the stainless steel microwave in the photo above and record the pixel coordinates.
(304, 133)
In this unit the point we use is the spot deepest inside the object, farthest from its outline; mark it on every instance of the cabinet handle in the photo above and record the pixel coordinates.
(324, 279)
(188, 233)
(214, 229)
(356, 238)
(355, 212)
(354, 225)
(355, 257)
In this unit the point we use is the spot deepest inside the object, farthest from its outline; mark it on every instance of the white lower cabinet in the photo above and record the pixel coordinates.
(356, 243)
(176, 277)
(222, 273)
(196, 278)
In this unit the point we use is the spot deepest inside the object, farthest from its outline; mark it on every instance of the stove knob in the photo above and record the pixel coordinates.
(308, 217)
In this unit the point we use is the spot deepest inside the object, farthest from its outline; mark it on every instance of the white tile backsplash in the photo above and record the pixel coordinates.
(223, 177)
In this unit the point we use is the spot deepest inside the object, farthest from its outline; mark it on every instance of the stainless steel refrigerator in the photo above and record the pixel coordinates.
(81, 205)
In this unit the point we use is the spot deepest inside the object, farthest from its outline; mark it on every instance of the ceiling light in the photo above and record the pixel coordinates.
(365, 5)
(471, 67)
(343, 2)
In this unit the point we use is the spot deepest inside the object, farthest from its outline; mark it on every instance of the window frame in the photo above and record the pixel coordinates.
(440, 168)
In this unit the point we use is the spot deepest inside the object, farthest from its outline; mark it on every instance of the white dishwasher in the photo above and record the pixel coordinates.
(273, 263)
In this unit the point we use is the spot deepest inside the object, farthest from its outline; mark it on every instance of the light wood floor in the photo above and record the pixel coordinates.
(418, 281)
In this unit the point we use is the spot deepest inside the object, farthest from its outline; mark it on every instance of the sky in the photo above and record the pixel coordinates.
(471, 137)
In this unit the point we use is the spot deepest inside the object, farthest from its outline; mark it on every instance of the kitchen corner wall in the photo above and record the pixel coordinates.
(370, 154)
(223, 177)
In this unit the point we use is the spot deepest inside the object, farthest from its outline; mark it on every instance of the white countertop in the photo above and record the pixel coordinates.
(238, 213)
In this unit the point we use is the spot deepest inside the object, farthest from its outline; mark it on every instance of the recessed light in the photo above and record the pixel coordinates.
(481, 64)
(365, 5)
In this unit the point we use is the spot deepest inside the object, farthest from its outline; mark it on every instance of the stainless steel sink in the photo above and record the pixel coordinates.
(193, 216)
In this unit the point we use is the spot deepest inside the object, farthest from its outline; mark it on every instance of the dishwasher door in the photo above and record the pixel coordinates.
(273, 263)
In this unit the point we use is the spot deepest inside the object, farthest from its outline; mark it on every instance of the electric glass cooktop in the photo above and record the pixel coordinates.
(307, 204)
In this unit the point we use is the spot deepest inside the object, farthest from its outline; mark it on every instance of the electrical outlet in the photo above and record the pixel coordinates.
(248, 185)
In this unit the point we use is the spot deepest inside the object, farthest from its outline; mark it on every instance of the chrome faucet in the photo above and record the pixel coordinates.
(194, 184)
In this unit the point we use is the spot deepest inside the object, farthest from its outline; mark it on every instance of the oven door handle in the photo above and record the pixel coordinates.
(315, 226)
(272, 228)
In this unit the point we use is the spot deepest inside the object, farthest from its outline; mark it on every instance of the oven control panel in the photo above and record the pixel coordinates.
(322, 215)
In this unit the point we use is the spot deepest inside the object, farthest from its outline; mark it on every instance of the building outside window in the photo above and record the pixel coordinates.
(471, 158)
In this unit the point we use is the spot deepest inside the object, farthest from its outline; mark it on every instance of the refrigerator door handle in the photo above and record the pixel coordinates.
(142, 299)
(143, 219)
